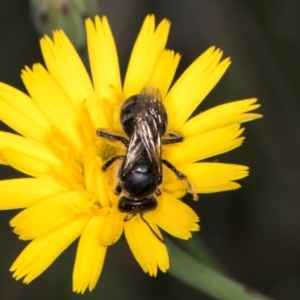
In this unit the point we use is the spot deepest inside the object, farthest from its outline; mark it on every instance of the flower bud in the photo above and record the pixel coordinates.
(69, 15)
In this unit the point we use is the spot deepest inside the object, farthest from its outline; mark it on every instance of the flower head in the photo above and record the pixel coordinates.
(68, 194)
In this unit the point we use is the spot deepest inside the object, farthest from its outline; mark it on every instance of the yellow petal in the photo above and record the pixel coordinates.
(175, 217)
(164, 71)
(53, 102)
(19, 112)
(22, 192)
(193, 86)
(112, 228)
(46, 215)
(105, 71)
(145, 54)
(103, 60)
(204, 145)
(214, 177)
(89, 257)
(95, 179)
(26, 164)
(41, 252)
(26, 147)
(149, 252)
(66, 67)
(221, 115)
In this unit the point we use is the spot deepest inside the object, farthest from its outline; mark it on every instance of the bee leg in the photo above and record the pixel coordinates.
(111, 161)
(181, 176)
(128, 218)
(151, 229)
(158, 192)
(172, 138)
(118, 189)
(112, 137)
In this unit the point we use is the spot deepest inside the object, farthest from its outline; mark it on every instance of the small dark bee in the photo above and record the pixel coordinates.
(144, 120)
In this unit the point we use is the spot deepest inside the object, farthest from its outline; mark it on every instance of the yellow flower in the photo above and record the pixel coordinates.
(67, 195)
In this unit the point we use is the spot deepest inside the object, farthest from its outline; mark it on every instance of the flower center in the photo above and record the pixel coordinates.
(105, 150)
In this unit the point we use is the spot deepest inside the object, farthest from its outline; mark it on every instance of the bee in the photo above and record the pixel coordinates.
(144, 121)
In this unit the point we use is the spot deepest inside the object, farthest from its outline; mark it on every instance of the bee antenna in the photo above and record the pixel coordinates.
(155, 234)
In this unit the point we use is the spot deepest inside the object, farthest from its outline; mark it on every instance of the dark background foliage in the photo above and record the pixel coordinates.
(253, 232)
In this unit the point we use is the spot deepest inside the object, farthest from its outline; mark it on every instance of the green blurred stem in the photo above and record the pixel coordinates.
(194, 273)
(200, 252)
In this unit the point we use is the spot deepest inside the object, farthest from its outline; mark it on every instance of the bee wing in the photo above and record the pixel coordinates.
(151, 140)
(149, 122)
(134, 150)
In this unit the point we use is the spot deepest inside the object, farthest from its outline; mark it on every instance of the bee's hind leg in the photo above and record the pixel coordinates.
(181, 176)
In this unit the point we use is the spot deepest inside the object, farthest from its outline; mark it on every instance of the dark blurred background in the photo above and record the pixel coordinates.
(253, 232)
